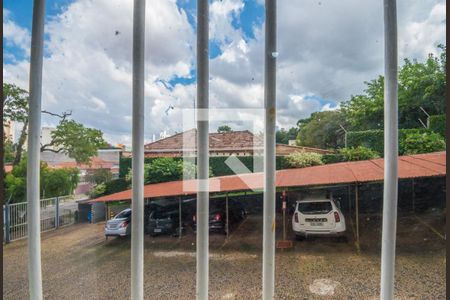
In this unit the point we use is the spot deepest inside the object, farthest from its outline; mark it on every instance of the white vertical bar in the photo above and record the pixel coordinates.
(137, 203)
(202, 150)
(270, 54)
(34, 134)
(390, 151)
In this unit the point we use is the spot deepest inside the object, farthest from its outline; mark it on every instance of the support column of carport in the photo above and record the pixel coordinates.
(202, 150)
(270, 55)
(137, 203)
(33, 169)
(227, 216)
(180, 220)
(357, 216)
(390, 151)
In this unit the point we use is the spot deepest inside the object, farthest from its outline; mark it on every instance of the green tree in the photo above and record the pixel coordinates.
(420, 84)
(322, 130)
(302, 159)
(426, 142)
(70, 137)
(163, 169)
(97, 191)
(53, 182)
(58, 182)
(224, 128)
(75, 140)
(99, 176)
(15, 108)
(283, 136)
(8, 149)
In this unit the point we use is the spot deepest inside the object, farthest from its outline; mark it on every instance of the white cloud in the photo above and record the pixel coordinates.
(14, 34)
(327, 50)
(87, 68)
(418, 38)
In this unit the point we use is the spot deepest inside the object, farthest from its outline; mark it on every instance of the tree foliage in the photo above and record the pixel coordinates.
(163, 169)
(358, 153)
(70, 137)
(322, 130)
(437, 124)
(75, 140)
(99, 176)
(8, 148)
(425, 142)
(53, 182)
(420, 85)
(224, 128)
(301, 159)
(283, 136)
(15, 103)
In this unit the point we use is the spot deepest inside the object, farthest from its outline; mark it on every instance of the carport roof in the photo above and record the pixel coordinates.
(411, 166)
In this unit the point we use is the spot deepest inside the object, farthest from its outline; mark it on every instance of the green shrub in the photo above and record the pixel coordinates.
(374, 139)
(358, 153)
(415, 143)
(333, 158)
(301, 159)
(216, 163)
(97, 191)
(116, 185)
(437, 124)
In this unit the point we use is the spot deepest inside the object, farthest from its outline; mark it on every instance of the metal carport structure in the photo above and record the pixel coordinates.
(411, 166)
(324, 176)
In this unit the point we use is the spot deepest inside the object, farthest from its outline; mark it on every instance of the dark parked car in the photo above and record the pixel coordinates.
(218, 215)
(164, 221)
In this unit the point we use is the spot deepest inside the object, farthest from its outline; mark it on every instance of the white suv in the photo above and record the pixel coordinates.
(317, 216)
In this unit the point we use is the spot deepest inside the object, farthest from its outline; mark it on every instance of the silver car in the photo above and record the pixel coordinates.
(120, 225)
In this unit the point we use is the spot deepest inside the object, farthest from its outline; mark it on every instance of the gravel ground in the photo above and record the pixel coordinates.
(78, 263)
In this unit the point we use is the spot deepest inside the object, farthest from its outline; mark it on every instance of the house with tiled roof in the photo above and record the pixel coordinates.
(239, 143)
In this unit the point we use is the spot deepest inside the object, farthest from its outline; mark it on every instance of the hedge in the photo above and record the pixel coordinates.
(437, 124)
(374, 139)
(217, 164)
(333, 158)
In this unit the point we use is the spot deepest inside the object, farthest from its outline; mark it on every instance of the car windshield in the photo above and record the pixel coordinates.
(123, 214)
(310, 208)
(160, 215)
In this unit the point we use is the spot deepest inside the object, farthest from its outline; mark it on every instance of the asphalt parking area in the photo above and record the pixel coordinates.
(78, 263)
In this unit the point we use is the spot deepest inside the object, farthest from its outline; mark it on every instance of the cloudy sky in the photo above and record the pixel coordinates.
(327, 49)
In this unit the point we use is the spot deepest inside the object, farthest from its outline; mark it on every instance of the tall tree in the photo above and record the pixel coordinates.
(283, 136)
(75, 140)
(322, 130)
(70, 137)
(15, 106)
(421, 84)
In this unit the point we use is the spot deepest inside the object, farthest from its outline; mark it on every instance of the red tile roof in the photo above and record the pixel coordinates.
(96, 163)
(236, 141)
(413, 166)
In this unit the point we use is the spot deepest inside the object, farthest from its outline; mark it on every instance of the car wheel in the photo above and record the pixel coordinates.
(342, 239)
(300, 237)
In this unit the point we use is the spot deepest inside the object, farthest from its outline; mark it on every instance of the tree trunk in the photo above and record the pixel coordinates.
(20, 143)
